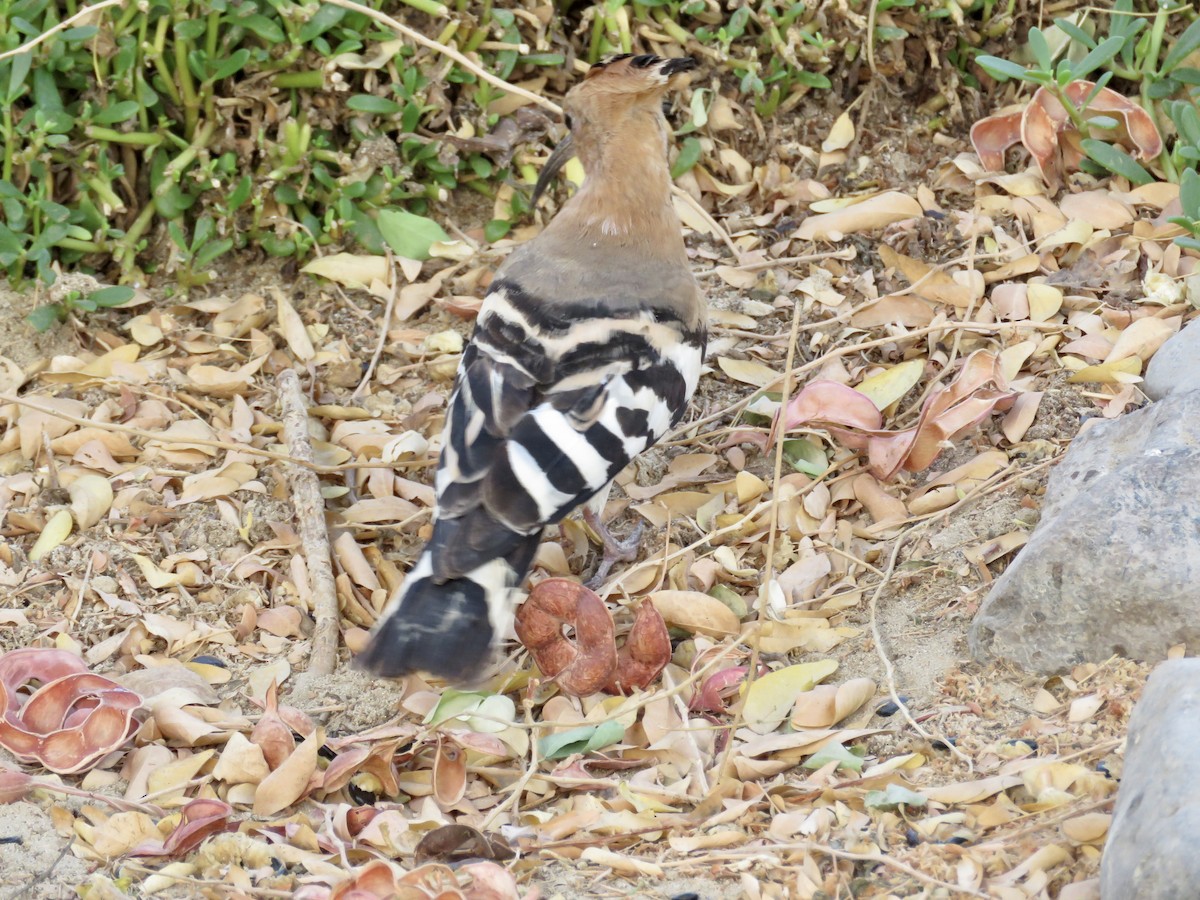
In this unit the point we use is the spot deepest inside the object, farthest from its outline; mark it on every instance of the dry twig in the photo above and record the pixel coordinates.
(309, 508)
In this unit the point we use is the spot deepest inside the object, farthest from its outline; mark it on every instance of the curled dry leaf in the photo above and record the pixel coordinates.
(56, 530)
(581, 666)
(271, 733)
(374, 881)
(696, 612)
(1044, 128)
(292, 780)
(946, 413)
(200, 819)
(718, 688)
(827, 704)
(91, 497)
(456, 842)
(72, 721)
(449, 772)
(868, 215)
(14, 785)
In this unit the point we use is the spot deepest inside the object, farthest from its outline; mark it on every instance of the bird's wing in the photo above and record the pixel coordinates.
(549, 405)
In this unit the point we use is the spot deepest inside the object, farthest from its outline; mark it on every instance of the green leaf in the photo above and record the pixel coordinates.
(1184, 47)
(45, 317)
(584, 739)
(112, 296)
(1098, 56)
(489, 713)
(1041, 50)
(1105, 122)
(21, 64)
(496, 229)
(323, 19)
(1116, 161)
(689, 154)
(894, 797)
(79, 33)
(805, 456)
(210, 251)
(266, 29)
(236, 62)
(846, 759)
(1076, 33)
(814, 80)
(116, 112)
(408, 235)
(1189, 193)
(369, 103)
(1002, 69)
(1186, 75)
(1188, 243)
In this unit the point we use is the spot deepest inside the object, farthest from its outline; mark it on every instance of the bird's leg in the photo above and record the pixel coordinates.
(614, 550)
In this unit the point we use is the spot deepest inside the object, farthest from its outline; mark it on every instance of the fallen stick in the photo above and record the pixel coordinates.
(309, 509)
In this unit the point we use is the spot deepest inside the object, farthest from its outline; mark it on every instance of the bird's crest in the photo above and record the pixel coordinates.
(629, 73)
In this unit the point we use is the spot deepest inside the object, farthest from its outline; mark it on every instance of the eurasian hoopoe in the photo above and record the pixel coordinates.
(587, 350)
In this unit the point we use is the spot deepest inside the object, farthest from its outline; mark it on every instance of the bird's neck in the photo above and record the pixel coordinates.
(626, 197)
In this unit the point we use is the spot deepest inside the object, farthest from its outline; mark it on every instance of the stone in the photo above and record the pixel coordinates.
(1175, 367)
(1114, 565)
(1150, 853)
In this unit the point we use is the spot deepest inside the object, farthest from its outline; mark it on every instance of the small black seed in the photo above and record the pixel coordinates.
(889, 708)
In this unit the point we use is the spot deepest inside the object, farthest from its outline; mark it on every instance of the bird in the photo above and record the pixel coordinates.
(587, 349)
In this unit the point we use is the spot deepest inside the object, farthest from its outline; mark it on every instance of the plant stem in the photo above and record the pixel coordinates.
(311, 80)
(137, 138)
(175, 168)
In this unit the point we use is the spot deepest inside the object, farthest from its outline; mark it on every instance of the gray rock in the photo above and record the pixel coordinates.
(1151, 853)
(1114, 565)
(1175, 367)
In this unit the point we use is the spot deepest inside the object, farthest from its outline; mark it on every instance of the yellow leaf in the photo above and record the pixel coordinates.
(1012, 358)
(172, 778)
(695, 612)
(771, 697)
(869, 215)
(54, 533)
(91, 498)
(291, 326)
(1142, 338)
(349, 269)
(886, 387)
(156, 577)
(289, 782)
(841, 135)
(748, 371)
(1045, 300)
(1121, 371)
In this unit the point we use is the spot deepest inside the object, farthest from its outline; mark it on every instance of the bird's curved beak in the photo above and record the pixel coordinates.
(562, 153)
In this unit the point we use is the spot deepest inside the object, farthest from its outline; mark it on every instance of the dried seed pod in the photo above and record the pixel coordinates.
(646, 652)
(582, 665)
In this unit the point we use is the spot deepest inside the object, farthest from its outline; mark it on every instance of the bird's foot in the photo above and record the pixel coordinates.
(614, 550)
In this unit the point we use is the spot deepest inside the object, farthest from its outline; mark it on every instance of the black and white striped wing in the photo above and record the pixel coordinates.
(546, 411)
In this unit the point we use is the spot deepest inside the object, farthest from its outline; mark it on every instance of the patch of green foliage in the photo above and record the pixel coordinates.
(208, 125)
(1134, 52)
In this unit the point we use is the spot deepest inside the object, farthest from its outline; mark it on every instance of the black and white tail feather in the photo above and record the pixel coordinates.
(557, 391)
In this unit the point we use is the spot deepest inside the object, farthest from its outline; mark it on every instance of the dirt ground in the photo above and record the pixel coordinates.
(922, 618)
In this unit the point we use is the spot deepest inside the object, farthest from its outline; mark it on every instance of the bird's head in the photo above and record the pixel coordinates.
(621, 98)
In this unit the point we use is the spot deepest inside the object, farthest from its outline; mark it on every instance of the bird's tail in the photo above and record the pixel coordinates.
(448, 628)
